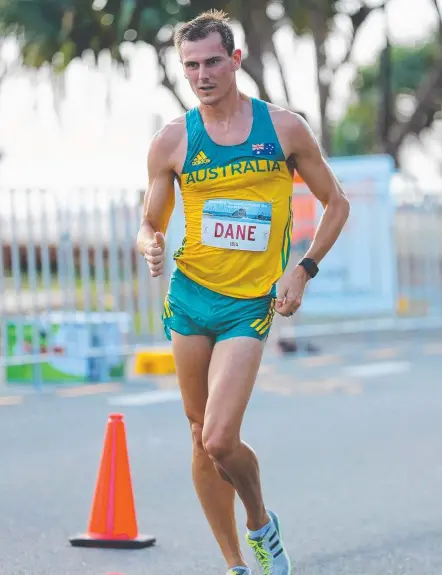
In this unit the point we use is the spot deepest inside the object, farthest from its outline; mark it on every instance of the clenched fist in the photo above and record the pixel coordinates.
(154, 253)
(290, 291)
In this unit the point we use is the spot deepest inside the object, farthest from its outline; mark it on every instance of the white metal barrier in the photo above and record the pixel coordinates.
(76, 298)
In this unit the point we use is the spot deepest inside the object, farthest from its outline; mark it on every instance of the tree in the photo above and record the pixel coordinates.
(318, 18)
(57, 31)
(412, 70)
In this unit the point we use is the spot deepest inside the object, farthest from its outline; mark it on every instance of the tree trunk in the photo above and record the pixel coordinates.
(254, 69)
(385, 111)
(439, 12)
(429, 100)
(281, 73)
(258, 31)
(318, 26)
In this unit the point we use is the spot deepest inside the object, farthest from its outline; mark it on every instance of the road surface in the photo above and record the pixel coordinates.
(350, 446)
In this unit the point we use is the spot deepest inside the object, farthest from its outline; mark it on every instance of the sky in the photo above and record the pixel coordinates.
(86, 142)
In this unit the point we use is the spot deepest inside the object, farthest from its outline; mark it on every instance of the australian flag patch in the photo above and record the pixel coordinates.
(263, 149)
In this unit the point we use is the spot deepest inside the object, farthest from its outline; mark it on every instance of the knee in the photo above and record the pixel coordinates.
(218, 446)
(197, 435)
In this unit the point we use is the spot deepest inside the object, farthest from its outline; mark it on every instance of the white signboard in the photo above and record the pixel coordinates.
(358, 275)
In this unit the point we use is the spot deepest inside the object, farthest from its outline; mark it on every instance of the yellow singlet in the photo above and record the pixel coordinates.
(238, 209)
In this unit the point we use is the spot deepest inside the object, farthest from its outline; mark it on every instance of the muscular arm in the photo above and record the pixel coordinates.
(319, 178)
(159, 199)
(299, 143)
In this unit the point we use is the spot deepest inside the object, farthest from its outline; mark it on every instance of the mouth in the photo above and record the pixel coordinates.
(206, 89)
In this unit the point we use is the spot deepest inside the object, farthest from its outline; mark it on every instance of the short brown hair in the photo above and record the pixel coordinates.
(203, 25)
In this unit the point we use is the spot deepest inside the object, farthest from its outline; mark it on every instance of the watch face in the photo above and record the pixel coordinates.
(310, 266)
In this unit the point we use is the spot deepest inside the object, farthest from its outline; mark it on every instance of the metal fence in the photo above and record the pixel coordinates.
(416, 268)
(76, 299)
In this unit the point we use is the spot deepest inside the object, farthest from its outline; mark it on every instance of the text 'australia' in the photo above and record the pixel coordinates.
(262, 165)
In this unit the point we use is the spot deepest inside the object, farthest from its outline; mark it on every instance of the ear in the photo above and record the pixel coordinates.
(237, 58)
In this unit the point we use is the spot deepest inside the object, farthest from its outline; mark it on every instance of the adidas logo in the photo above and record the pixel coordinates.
(200, 159)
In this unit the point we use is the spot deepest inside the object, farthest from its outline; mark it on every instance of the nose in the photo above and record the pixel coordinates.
(202, 75)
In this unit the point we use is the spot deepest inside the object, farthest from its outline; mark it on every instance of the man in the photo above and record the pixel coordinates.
(234, 158)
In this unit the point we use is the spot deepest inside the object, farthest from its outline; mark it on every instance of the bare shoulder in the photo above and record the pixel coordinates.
(166, 140)
(294, 132)
(283, 118)
(168, 147)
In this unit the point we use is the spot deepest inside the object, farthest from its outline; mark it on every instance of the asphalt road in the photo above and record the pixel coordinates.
(350, 446)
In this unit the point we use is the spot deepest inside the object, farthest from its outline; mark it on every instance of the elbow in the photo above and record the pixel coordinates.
(344, 206)
(341, 206)
(338, 207)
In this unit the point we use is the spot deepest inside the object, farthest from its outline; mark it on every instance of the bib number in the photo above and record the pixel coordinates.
(236, 225)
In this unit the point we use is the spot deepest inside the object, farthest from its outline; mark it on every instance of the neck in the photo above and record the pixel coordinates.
(226, 109)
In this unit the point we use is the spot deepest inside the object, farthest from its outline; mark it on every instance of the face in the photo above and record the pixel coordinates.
(208, 68)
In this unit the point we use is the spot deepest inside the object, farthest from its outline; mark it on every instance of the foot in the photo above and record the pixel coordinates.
(239, 571)
(269, 550)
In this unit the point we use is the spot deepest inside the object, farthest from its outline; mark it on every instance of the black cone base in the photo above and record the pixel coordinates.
(86, 540)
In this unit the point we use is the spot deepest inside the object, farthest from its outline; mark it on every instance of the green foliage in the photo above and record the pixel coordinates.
(51, 28)
(57, 31)
(301, 12)
(409, 67)
(355, 134)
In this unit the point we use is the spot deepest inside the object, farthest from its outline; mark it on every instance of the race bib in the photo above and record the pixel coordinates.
(236, 225)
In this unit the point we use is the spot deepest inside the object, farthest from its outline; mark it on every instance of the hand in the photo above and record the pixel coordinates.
(154, 253)
(290, 291)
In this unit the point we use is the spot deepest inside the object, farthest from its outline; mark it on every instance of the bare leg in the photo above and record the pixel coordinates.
(233, 369)
(192, 357)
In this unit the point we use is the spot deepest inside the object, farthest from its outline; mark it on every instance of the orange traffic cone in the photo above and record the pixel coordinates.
(113, 521)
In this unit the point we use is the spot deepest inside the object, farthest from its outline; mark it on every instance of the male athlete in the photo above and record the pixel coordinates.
(234, 158)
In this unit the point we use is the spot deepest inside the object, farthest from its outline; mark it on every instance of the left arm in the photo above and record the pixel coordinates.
(314, 170)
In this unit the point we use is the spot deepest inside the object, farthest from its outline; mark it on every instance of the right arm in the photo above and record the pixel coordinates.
(159, 199)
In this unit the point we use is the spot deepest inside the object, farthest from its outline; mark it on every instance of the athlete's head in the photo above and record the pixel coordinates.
(207, 51)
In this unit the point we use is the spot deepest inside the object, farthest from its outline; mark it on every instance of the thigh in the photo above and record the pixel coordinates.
(232, 374)
(192, 358)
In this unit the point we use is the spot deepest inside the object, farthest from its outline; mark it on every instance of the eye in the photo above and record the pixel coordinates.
(213, 61)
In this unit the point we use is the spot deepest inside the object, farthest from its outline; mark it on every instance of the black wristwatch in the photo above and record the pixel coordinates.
(310, 266)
